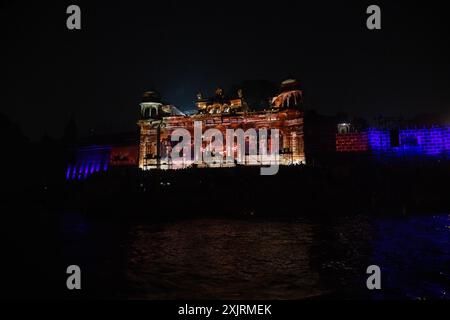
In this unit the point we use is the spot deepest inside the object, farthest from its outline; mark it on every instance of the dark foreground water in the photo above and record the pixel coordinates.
(252, 259)
(228, 259)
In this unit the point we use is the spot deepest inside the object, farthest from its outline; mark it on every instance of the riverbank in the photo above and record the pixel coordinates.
(296, 191)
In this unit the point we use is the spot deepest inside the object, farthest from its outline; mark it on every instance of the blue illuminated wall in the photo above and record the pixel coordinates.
(410, 143)
(88, 160)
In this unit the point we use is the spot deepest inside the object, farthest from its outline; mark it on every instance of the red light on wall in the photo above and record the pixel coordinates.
(124, 156)
(352, 142)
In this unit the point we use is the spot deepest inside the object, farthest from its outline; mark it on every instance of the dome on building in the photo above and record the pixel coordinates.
(290, 95)
(151, 96)
(290, 84)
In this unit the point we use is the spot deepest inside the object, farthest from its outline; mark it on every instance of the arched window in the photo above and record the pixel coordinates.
(146, 113)
(153, 113)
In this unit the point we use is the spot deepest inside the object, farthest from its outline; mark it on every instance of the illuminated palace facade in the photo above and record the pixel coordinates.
(284, 112)
(328, 139)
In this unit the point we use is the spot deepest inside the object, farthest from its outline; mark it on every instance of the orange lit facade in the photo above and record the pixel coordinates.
(159, 120)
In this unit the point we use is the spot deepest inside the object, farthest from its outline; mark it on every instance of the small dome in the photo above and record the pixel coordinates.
(290, 84)
(151, 96)
(290, 95)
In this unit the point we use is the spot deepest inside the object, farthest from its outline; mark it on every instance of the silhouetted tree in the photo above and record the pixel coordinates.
(70, 132)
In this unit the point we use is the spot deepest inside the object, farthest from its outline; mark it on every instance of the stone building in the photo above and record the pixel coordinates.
(158, 120)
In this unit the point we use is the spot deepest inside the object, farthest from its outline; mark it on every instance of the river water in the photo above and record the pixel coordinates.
(260, 259)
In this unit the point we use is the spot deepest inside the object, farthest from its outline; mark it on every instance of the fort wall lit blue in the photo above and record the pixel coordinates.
(88, 160)
(428, 142)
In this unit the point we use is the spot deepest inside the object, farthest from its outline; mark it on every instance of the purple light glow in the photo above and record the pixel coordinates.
(74, 172)
(429, 142)
(69, 170)
(86, 170)
(89, 160)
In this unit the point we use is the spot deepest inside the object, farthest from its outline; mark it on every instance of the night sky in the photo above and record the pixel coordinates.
(98, 74)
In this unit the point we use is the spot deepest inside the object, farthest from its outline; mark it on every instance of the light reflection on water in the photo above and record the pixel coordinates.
(415, 256)
(223, 259)
(237, 259)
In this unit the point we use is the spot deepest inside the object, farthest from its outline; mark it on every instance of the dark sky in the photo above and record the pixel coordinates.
(98, 74)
